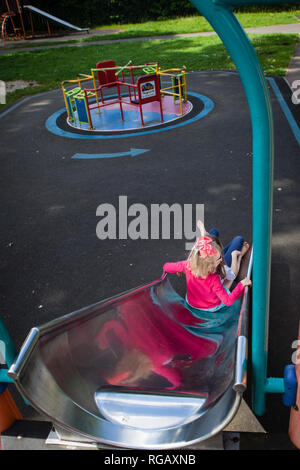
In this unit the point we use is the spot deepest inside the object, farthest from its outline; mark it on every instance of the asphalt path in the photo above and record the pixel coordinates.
(53, 263)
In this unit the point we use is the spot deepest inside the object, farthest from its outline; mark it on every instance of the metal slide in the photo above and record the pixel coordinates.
(138, 370)
(54, 18)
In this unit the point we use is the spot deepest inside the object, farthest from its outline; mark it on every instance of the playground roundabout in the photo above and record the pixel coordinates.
(110, 124)
(96, 105)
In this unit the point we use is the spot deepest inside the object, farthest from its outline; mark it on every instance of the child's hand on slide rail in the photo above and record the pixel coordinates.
(246, 282)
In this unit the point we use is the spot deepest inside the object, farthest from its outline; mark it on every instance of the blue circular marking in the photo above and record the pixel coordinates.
(54, 129)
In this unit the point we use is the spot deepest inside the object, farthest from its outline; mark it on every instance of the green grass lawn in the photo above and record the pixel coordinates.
(50, 67)
(197, 24)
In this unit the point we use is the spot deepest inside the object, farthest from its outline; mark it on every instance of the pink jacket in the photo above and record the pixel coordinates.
(204, 292)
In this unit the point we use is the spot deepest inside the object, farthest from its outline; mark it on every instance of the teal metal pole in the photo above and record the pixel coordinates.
(7, 348)
(4, 378)
(226, 25)
(7, 355)
(274, 385)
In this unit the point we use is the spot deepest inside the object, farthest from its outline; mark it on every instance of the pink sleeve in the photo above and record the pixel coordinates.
(223, 295)
(178, 267)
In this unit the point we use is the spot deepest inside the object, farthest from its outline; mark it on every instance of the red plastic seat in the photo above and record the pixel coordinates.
(106, 77)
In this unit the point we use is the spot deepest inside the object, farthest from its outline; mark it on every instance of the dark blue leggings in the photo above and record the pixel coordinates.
(235, 244)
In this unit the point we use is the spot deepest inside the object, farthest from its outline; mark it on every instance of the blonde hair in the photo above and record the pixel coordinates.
(203, 267)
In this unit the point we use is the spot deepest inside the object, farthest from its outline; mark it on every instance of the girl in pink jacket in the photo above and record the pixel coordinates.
(204, 288)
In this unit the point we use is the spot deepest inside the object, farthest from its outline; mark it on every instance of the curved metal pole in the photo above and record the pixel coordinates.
(226, 25)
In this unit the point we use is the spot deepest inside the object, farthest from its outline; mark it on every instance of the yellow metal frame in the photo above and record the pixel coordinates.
(78, 82)
(174, 73)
